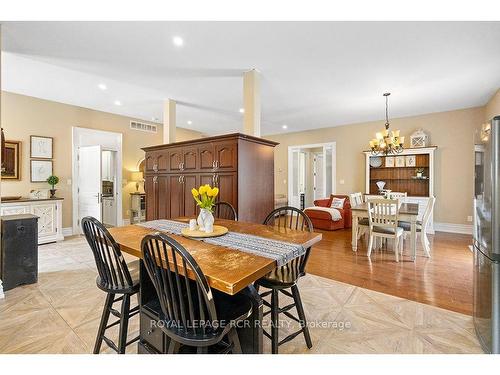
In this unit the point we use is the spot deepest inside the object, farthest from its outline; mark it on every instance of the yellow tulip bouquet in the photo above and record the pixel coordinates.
(205, 196)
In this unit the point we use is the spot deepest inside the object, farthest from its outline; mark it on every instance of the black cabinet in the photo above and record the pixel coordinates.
(19, 252)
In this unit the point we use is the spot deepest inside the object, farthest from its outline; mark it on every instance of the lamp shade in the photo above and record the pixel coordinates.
(137, 176)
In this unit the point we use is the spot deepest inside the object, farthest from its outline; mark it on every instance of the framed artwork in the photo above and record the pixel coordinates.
(40, 170)
(389, 161)
(41, 147)
(411, 161)
(12, 161)
(400, 161)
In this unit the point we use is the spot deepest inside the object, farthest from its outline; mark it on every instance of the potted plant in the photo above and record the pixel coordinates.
(53, 181)
(420, 172)
(205, 199)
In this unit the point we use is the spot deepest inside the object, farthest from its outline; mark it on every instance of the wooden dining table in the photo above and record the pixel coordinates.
(407, 212)
(227, 270)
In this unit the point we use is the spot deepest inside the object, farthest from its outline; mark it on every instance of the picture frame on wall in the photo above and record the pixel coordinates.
(400, 161)
(411, 161)
(41, 147)
(389, 161)
(40, 170)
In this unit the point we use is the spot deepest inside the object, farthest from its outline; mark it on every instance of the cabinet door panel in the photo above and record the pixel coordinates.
(162, 161)
(174, 159)
(46, 219)
(189, 182)
(162, 197)
(175, 197)
(228, 188)
(150, 161)
(207, 178)
(151, 203)
(207, 156)
(226, 155)
(190, 157)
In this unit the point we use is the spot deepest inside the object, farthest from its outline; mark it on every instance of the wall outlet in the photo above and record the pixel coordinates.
(284, 182)
(469, 219)
(342, 182)
(68, 182)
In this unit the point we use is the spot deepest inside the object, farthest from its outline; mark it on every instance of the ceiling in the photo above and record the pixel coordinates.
(314, 74)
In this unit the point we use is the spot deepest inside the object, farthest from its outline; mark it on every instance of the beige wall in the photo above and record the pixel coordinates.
(23, 116)
(451, 131)
(492, 108)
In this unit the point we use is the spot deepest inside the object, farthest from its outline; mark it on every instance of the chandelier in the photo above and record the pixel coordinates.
(387, 142)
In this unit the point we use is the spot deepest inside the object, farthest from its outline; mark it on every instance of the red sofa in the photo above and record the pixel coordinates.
(323, 220)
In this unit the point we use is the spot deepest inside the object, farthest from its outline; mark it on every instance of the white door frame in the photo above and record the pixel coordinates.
(109, 141)
(314, 145)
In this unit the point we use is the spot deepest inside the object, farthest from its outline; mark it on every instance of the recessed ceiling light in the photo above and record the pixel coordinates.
(102, 86)
(242, 110)
(190, 122)
(285, 126)
(178, 41)
(117, 102)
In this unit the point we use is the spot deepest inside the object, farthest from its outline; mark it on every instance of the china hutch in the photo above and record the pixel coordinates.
(411, 171)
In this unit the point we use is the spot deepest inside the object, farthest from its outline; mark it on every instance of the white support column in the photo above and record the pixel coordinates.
(251, 103)
(169, 121)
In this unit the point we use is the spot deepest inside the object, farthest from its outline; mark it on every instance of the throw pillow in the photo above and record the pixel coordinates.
(338, 203)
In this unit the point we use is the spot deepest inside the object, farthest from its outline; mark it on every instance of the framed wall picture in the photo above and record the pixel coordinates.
(41, 147)
(389, 161)
(400, 161)
(40, 170)
(12, 161)
(411, 160)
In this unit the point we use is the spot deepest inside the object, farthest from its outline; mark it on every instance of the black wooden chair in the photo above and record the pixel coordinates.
(224, 210)
(192, 313)
(115, 278)
(285, 277)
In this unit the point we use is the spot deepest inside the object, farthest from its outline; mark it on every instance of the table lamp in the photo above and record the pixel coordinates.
(137, 177)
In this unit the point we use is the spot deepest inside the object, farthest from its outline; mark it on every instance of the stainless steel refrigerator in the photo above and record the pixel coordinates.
(486, 235)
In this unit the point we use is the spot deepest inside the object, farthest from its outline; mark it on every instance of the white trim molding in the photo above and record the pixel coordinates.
(453, 228)
(2, 295)
(68, 231)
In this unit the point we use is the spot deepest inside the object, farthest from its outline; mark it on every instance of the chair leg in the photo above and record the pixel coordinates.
(104, 322)
(425, 244)
(370, 245)
(173, 347)
(202, 350)
(125, 311)
(235, 341)
(302, 315)
(396, 247)
(275, 321)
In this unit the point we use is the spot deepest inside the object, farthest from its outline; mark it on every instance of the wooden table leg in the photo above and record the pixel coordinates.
(354, 237)
(413, 238)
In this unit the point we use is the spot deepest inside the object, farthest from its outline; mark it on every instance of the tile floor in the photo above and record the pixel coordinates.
(61, 313)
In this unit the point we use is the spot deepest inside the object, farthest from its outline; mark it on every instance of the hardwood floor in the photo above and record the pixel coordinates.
(444, 280)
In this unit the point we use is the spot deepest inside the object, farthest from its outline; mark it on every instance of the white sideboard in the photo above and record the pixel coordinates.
(49, 212)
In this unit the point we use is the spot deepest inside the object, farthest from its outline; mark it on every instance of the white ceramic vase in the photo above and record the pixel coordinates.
(206, 221)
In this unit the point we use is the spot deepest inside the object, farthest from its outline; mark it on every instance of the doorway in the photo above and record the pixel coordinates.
(311, 173)
(97, 176)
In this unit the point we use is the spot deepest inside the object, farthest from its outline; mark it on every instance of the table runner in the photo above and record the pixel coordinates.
(282, 252)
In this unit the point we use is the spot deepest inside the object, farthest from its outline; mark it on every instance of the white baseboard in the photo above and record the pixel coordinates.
(67, 231)
(2, 295)
(453, 228)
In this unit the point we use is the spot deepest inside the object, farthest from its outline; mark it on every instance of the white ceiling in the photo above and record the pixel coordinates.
(314, 74)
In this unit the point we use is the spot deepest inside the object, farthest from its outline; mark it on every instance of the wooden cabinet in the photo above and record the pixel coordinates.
(156, 162)
(241, 166)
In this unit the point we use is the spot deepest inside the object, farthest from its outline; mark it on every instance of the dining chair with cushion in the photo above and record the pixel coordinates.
(224, 210)
(422, 226)
(285, 277)
(192, 314)
(115, 277)
(383, 223)
(363, 225)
